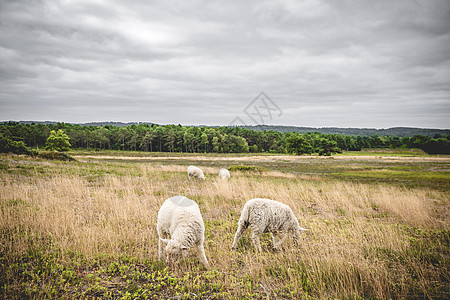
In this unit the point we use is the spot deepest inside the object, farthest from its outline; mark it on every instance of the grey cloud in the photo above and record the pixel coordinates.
(345, 63)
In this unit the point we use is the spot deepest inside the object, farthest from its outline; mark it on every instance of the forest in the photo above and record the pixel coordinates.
(177, 138)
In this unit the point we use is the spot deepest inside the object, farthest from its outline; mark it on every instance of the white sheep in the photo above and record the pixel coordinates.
(264, 215)
(224, 174)
(195, 172)
(180, 219)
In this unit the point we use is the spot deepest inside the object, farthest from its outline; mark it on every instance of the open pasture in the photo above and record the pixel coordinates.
(378, 227)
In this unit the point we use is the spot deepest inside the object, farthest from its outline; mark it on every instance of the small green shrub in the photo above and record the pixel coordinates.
(55, 156)
(244, 168)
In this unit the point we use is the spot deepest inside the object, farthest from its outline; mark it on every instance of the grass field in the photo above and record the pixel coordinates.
(378, 227)
(388, 152)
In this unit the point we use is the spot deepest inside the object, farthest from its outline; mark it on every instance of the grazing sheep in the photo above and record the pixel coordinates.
(179, 217)
(224, 174)
(264, 215)
(195, 172)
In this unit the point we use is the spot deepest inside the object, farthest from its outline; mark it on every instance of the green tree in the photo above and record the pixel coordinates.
(418, 141)
(9, 146)
(147, 140)
(327, 147)
(216, 144)
(132, 137)
(204, 141)
(298, 145)
(58, 140)
(170, 139)
(241, 145)
(100, 137)
(159, 133)
(253, 148)
(226, 143)
(122, 134)
(188, 138)
(376, 142)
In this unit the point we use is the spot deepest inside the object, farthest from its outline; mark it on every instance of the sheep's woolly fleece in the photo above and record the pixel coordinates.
(265, 215)
(180, 219)
(224, 174)
(195, 172)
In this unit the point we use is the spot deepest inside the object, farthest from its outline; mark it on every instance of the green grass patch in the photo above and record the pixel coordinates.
(48, 273)
(387, 152)
(399, 175)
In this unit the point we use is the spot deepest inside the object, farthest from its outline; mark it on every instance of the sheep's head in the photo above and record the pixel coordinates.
(174, 251)
(200, 175)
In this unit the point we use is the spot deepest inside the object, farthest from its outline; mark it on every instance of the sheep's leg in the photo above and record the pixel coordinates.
(161, 249)
(277, 244)
(256, 235)
(274, 238)
(237, 236)
(202, 256)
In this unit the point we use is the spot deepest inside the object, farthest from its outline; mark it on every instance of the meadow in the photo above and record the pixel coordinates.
(378, 227)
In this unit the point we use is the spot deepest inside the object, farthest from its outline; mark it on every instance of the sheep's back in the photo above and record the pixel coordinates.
(194, 171)
(224, 173)
(177, 209)
(267, 214)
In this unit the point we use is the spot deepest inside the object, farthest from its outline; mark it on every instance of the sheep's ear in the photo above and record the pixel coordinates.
(300, 228)
(165, 241)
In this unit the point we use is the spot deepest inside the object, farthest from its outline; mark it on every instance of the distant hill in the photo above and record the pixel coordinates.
(117, 124)
(394, 131)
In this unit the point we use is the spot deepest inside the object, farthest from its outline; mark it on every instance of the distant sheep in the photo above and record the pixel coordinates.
(264, 215)
(179, 218)
(195, 172)
(224, 174)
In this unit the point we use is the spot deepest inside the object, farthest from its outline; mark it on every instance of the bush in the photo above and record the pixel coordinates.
(244, 168)
(9, 146)
(56, 156)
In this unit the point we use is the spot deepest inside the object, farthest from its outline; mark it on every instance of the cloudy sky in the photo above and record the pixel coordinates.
(322, 63)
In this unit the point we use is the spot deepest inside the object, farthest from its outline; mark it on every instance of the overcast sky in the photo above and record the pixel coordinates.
(322, 63)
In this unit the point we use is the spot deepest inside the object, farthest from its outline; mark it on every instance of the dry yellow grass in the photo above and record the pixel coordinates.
(358, 244)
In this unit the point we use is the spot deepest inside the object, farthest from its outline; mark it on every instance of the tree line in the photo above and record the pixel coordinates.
(394, 131)
(176, 138)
